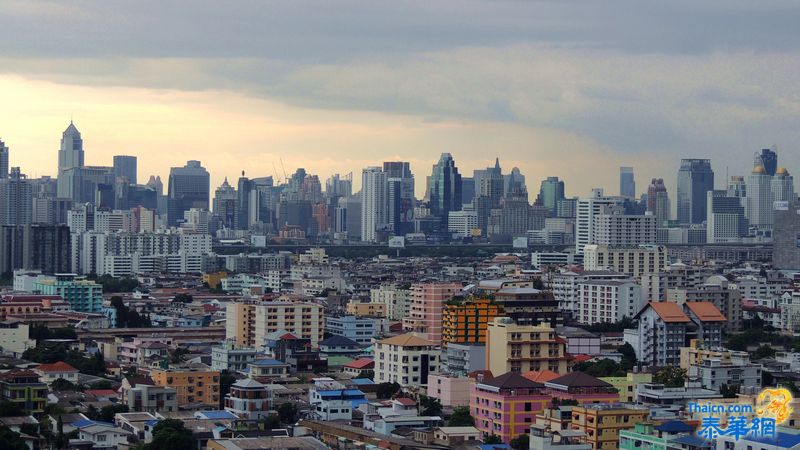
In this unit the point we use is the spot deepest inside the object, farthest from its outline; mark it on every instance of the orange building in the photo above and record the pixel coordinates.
(602, 422)
(192, 386)
(465, 321)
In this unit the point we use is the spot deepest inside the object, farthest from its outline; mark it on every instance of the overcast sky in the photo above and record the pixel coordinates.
(567, 88)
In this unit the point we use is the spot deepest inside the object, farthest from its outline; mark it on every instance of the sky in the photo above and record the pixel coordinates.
(566, 88)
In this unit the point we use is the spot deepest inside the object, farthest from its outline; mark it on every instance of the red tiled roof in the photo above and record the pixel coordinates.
(541, 376)
(60, 366)
(705, 311)
(363, 363)
(669, 312)
(581, 358)
(406, 401)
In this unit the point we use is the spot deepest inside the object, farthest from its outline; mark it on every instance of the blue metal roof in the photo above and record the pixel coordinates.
(675, 426)
(783, 440)
(494, 447)
(83, 423)
(341, 393)
(693, 440)
(217, 415)
(362, 381)
(268, 362)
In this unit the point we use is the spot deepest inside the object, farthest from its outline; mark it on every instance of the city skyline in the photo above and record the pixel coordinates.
(553, 88)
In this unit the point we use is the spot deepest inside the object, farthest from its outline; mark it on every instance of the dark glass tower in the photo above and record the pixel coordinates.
(445, 187)
(695, 179)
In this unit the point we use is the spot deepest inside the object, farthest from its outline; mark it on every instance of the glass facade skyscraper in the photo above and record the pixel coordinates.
(444, 187)
(189, 187)
(695, 179)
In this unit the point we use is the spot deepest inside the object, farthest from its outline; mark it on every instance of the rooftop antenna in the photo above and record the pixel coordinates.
(285, 177)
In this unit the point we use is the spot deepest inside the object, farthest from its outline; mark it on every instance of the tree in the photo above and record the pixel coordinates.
(728, 391)
(63, 385)
(628, 356)
(11, 440)
(387, 390)
(171, 434)
(603, 368)
(288, 413)
(370, 374)
(461, 417)
(31, 429)
(492, 439)
(429, 406)
(107, 413)
(10, 409)
(670, 376)
(764, 351)
(225, 382)
(521, 442)
(272, 422)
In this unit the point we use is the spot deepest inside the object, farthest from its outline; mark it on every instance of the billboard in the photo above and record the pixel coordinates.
(397, 242)
(781, 205)
(520, 242)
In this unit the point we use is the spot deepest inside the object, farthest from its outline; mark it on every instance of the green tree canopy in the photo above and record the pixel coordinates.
(461, 417)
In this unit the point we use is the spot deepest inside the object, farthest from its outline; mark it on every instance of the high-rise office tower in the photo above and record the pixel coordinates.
(243, 190)
(224, 205)
(767, 159)
(467, 190)
(514, 183)
(726, 219)
(188, 187)
(70, 155)
(627, 184)
(658, 200)
(339, 186)
(489, 194)
(759, 205)
(400, 213)
(16, 199)
(737, 187)
(3, 160)
(551, 192)
(783, 186)
(36, 247)
(695, 179)
(588, 210)
(444, 188)
(374, 202)
(125, 166)
(786, 237)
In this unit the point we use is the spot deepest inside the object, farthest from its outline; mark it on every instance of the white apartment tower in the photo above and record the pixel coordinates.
(374, 202)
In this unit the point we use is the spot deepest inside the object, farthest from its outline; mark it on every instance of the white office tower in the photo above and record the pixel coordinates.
(726, 221)
(70, 155)
(374, 202)
(783, 186)
(759, 210)
(588, 209)
(195, 220)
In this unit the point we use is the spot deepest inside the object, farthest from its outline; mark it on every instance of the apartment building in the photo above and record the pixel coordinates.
(406, 359)
(632, 261)
(506, 405)
(427, 308)
(511, 347)
(608, 301)
(395, 300)
(192, 386)
(602, 422)
(465, 320)
(248, 324)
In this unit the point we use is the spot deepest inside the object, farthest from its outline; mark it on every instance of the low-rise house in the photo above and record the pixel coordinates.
(658, 394)
(456, 436)
(582, 388)
(398, 413)
(24, 389)
(267, 369)
(339, 346)
(359, 367)
(59, 370)
(626, 386)
(142, 394)
(331, 400)
(104, 436)
(248, 399)
(542, 438)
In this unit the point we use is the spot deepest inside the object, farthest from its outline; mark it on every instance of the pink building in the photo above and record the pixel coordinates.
(450, 390)
(506, 406)
(582, 388)
(427, 306)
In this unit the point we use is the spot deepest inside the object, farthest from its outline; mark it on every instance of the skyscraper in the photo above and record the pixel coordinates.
(341, 186)
(225, 205)
(759, 206)
(783, 186)
(550, 192)
(374, 202)
(786, 237)
(16, 199)
(588, 210)
(70, 155)
(125, 166)
(627, 185)
(726, 218)
(489, 194)
(695, 179)
(3, 160)
(658, 201)
(514, 183)
(444, 189)
(189, 187)
(400, 213)
(767, 159)
(243, 189)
